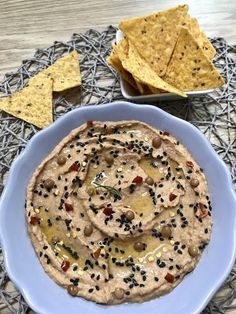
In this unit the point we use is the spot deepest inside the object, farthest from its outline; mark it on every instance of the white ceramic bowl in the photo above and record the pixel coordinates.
(197, 288)
(131, 94)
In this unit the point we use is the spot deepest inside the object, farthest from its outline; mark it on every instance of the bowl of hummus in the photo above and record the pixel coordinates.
(123, 211)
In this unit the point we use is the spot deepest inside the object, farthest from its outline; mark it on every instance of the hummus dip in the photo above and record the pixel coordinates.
(118, 212)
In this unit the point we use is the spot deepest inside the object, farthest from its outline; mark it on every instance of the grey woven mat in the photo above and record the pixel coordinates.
(214, 114)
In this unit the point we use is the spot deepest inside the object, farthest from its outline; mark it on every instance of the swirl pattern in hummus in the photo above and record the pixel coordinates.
(118, 212)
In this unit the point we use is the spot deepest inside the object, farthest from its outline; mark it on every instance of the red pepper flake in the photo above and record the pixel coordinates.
(170, 278)
(68, 207)
(189, 163)
(138, 180)
(34, 220)
(96, 254)
(74, 167)
(107, 211)
(65, 265)
(166, 133)
(203, 211)
(89, 124)
(172, 196)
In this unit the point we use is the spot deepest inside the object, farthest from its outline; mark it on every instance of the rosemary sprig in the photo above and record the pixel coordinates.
(109, 188)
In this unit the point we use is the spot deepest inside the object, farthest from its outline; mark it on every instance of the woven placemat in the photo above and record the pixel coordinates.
(214, 114)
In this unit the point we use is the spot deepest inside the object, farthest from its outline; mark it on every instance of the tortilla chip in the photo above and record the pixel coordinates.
(115, 62)
(207, 47)
(33, 103)
(65, 72)
(200, 37)
(189, 68)
(154, 36)
(134, 64)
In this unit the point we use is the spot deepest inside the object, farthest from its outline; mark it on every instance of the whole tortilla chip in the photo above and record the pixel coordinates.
(189, 68)
(65, 72)
(154, 36)
(137, 66)
(33, 103)
(200, 37)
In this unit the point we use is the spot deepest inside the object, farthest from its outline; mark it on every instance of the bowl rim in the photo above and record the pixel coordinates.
(41, 134)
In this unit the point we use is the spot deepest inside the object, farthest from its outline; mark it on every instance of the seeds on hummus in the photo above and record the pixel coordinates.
(91, 190)
(194, 183)
(119, 293)
(193, 250)
(48, 183)
(61, 160)
(129, 215)
(139, 246)
(109, 158)
(72, 290)
(88, 230)
(149, 181)
(156, 142)
(118, 212)
(166, 231)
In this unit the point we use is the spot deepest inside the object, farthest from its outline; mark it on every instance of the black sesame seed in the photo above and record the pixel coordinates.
(162, 264)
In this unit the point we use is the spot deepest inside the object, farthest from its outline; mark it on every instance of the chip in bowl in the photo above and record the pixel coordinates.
(154, 55)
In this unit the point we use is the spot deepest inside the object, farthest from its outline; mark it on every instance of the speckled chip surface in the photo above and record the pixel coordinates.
(148, 48)
(65, 72)
(189, 68)
(202, 40)
(154, 36)
(133, 63)
(33, 103)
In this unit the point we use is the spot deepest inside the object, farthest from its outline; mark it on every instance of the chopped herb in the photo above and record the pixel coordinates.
(109, 188)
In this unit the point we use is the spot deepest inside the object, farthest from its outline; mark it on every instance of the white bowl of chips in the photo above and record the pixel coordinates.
(130, 93)
(156, 63)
